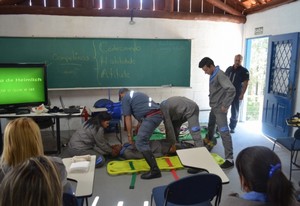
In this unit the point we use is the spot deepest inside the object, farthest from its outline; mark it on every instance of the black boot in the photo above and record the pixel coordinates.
(154, 170)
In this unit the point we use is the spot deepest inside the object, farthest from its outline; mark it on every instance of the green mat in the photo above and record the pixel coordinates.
(158, 135)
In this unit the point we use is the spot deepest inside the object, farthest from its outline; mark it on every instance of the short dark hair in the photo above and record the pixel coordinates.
(206, 61)
(121, 91)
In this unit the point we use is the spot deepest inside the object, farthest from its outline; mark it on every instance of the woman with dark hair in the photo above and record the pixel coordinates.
(262, 180)
(90, 140)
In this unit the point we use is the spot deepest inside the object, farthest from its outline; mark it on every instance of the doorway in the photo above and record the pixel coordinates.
(256, 62)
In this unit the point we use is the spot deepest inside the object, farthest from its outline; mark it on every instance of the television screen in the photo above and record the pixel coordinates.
(23, 85)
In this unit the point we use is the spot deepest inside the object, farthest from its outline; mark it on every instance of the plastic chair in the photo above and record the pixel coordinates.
(293, 145)
(193, 190)
(45, 122)
(71, 200)
(115, 110)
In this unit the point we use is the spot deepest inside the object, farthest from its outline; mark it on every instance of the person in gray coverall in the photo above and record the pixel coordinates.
(178, 110)
(90, 139)
(221, 95)
(148, 114)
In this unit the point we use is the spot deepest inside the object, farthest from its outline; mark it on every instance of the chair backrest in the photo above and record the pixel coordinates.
(69, 200)
(297, 134)
(44, 122)
(194, 189)
(102, 103)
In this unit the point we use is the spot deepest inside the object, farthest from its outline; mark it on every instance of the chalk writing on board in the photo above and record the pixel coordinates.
(110, 66)
(107, 48)
(103, 62)
(70, 58)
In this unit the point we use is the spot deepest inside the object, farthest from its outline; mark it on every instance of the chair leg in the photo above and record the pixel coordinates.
(151, 200)
(274, 145)
(118, 130)
(291, 165)
(53, 132)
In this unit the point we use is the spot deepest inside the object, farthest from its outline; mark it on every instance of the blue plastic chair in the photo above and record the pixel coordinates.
(193, 190)
(293, 145)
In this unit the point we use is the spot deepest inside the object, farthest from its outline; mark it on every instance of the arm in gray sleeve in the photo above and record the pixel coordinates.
(170, 133)
(229, 90)
(67, 187)
(102, 145)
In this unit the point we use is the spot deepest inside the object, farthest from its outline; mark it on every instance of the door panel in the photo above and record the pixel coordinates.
(280, 84)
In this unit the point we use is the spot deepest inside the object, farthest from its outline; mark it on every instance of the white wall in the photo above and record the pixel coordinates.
(218, 40)
(280, 20)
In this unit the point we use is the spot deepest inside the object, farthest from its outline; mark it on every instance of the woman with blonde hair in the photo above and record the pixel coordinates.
(21, 141)
(34, 182)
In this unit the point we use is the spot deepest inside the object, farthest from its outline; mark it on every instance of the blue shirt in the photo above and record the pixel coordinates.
(237, 77)
(255, 196)
(137, 104)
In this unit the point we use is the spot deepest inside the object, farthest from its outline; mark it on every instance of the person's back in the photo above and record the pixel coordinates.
(21, 141)
(34, 182)
(137, 104)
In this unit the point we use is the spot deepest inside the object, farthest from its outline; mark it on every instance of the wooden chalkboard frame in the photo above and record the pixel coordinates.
(103, 62)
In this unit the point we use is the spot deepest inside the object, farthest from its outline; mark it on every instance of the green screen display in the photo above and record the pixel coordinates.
(23, 84)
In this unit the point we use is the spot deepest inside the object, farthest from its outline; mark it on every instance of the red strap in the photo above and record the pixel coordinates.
(173, 171)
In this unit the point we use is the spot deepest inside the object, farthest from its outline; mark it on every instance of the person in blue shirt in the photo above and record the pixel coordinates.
(148, 114)
(262, 180)
(239, 76)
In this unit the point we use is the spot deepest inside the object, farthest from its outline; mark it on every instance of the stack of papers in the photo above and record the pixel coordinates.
(80, 163)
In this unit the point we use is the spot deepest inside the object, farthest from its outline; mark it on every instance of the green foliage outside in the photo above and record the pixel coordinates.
(257, 69)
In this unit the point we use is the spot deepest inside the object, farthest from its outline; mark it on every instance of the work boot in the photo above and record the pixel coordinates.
(154, 170)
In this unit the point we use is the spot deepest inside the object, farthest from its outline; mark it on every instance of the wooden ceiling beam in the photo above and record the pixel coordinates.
(10, 2)
(121, 13)
(225, 7)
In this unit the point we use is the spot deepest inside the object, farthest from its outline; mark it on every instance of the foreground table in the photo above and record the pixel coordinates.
(85, 180)
(200, 157)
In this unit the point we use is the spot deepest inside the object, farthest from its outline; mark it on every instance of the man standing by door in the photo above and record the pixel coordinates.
(239, 76)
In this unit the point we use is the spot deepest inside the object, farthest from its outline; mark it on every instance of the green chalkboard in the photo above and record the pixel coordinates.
(103, 62)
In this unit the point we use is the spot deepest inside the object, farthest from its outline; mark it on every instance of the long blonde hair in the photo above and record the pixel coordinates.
(22, 140)
(35, 182)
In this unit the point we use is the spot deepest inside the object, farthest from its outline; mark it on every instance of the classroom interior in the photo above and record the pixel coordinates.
(217, 40)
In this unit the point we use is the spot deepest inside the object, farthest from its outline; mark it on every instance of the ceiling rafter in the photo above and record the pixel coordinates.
(215, 10)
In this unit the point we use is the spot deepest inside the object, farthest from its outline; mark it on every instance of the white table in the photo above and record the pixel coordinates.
(85, 180)
(200, 157)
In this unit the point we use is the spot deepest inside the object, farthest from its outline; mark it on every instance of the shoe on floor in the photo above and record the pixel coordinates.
(194, 170)
(209, 144)
(227, 165)
(232, 131)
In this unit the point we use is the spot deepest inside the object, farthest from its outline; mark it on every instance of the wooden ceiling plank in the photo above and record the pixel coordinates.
(121, 13)
(269, 5)
(225, 7)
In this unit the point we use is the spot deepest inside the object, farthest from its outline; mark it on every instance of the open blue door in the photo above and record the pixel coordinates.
(279, 97)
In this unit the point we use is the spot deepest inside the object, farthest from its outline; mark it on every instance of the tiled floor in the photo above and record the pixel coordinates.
(113, 189)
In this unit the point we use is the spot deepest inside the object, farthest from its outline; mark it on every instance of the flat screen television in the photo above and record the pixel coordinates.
(23, 85)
